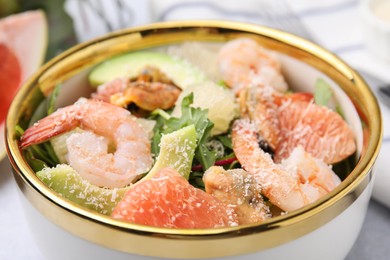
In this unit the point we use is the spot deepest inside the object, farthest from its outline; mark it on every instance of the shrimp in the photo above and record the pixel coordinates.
(150, 90)
(243, 62)
(296, 182)
(239, 189)
(88, 151)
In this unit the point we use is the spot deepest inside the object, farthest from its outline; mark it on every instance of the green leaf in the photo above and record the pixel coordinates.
(162, 113)
(39, 113)
(46, 106)
(156, 142)
(189, 116)
(225, 140)
(42, 154)
(33, 101)
(202, 153)
(39, 151)
(339, 110)
(51, 153)
(196, 180)
(322, 92)
(52, 99)
(35, 164)
(18, 131)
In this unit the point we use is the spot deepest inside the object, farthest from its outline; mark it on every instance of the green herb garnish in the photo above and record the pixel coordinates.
(322, 92)
(189, 116)
(41, 155)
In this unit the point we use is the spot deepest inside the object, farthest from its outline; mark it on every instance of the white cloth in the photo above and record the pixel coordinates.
(333, 24)
(94, 17)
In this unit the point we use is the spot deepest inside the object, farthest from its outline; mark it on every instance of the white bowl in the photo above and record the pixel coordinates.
(325, 229)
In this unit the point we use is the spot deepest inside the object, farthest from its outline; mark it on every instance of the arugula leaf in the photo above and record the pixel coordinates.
(52, 99)
(33, 102)
(189, 116)
(41, 155)
(202, 153)
(46, 107)
(36, 156)
(339, 110)
(196, 180)
(39, 113)
(18, 131)
(225, 140)
(51, 153)
(36, 164)
(322, 92)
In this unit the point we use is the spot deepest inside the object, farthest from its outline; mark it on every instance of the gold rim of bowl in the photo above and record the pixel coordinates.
(185, 243)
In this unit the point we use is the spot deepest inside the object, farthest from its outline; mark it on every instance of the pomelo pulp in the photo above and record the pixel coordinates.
(169, 200)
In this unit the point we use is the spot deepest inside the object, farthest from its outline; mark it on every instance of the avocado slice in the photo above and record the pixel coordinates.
(67, 182)
(177, 151)
(129, 65)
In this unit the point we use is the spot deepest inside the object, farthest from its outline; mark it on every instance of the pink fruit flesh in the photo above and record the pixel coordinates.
(168, 200)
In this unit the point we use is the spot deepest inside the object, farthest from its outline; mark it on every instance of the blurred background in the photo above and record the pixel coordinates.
(61, 30)
(335, 24)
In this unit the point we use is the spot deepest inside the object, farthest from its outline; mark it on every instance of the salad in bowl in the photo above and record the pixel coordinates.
(258, 146)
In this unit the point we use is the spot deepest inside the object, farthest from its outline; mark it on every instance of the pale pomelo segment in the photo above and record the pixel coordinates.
(320, 131)
(203, 55)
(168, 200)
(219, 101)
(66, 181)
(26, 35)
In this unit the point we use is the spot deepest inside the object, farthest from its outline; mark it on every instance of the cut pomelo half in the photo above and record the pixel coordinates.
(23, 43)
(10, 78)
(169, 200)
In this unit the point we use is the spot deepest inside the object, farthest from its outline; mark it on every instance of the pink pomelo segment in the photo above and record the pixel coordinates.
(322, 132)
(168, 200)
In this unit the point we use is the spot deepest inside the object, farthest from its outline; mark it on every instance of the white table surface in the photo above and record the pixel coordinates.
(16, 241)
